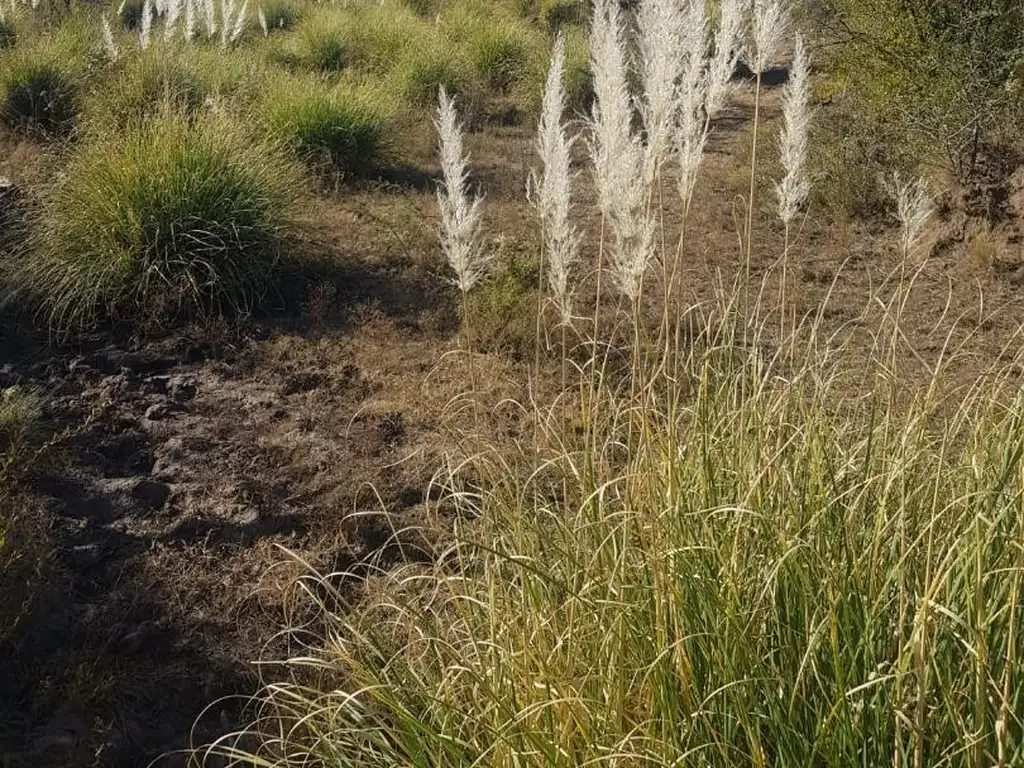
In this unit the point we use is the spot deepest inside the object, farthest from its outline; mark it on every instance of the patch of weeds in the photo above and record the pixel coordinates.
(503, 310)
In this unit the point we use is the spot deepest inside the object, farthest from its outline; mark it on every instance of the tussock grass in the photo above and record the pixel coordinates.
(342, 129)
(39, 90)
(8, 33)
(280, 14)
(145, 84)
(167, 218)
(370, 39)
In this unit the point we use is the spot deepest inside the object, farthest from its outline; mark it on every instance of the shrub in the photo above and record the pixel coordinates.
(337, 127)
(171, 217)
(38, 92)
(130, 13)
(944, 70)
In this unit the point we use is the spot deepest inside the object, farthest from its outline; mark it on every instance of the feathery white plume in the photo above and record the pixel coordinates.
(460, 214)
(173, 11)
(239, 25)
(618, 155)
(109, 44)
(691, 129)
(913, 207)
(146, 24)
(190, 20)
(561, 241)
(209, 17)
(770, 23)
(728, 41)
(796, 112)
(263, 21)
(659, 27)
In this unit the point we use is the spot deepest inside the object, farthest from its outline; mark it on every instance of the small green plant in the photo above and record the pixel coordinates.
(38, 93)
(20, 417)
(172, 217)
(340, 128)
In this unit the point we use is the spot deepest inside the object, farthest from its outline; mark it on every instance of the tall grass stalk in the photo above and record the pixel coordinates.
(460, 219)
(769, 22)
(553, 189)
(794, 187)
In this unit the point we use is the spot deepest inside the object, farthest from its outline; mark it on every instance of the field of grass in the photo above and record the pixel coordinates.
(520, 383)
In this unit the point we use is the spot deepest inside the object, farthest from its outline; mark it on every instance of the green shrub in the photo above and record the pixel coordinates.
(171, 217)
(38, 92)
(943, 71)
(130, 13)
(339, 128)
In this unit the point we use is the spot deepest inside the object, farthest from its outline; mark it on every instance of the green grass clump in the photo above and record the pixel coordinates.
(172, 217)
(8, 33)
(424, 69)
(501, 56)
(280, 14)
(146, 84)
(339, 128)
(38, 91)
(369, 39)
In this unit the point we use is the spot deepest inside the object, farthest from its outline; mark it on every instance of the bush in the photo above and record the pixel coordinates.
(130, 13)
(340, 128)
(38, 93)
(944, 71)
(172, 217)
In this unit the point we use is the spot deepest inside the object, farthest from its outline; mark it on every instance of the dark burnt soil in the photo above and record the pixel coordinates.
(188, 462)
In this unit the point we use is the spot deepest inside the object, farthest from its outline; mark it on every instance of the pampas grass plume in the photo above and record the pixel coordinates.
(460, 213)
(561, 241)
(796, 112)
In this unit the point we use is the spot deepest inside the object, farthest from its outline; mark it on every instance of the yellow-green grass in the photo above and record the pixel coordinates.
(760, 567)
(167, 218)
(345, 129)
